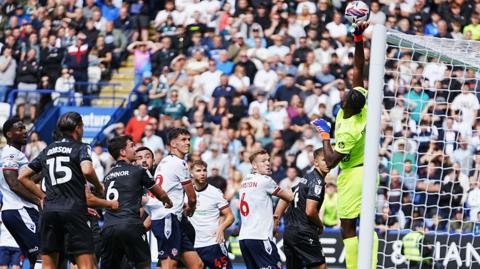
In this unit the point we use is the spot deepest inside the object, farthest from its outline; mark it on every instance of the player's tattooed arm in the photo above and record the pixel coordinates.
(311, 210)
(22, 184)
(332, 157)
(89, 173)
(228, 220)
(161, 195)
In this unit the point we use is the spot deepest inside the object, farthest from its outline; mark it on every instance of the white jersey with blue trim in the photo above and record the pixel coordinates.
(256, 207)
(206, 219)
(172, 173)
(12, 159)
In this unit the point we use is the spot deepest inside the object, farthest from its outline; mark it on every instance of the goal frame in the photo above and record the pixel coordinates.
(370, 173)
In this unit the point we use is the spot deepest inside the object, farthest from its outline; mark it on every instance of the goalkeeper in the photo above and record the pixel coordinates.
(348, 152)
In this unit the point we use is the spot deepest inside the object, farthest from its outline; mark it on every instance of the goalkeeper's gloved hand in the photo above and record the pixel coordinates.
(323, 127)
(358, 31)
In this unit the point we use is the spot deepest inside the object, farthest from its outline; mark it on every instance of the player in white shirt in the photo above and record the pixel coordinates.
(256, 209)
(19, 211)
(169, 225)
(209, 227)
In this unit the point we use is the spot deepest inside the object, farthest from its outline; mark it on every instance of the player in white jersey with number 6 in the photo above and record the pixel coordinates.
(256, 209)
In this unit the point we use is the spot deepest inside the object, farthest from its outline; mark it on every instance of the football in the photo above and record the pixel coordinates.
(357, 11)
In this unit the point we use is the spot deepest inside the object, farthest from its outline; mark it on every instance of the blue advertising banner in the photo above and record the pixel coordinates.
(94, 119)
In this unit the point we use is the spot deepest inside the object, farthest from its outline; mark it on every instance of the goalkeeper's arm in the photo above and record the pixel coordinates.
(359, 57)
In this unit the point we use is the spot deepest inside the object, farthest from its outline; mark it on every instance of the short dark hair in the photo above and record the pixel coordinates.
(144, 148)
(116, 144)
(257, 153)
(68, 122)
(8, 125)
(356, 100)
(317, 153)
(176, 132)
(198, 163)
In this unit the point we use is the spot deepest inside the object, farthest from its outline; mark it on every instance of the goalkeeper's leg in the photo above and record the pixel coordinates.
(350, 241)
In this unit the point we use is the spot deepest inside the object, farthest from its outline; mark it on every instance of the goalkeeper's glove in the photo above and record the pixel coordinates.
(358, 31)
(323, 127)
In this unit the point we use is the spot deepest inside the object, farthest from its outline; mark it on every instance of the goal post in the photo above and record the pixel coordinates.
(423, 142)
(372, 138)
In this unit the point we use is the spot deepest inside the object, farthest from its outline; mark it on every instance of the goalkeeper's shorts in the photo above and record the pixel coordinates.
(349, 186)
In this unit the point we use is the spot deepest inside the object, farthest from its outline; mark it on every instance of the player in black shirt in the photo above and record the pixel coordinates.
(64, 224)
(302, 224)
(123, 232)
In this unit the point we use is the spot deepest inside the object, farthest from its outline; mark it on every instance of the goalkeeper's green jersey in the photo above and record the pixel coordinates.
(350, 138)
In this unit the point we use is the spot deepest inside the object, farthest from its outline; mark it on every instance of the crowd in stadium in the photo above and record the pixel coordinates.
(245, 75)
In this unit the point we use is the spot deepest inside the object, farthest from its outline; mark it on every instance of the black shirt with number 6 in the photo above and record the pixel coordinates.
(64, 181)
(311, 187)
(125, 183)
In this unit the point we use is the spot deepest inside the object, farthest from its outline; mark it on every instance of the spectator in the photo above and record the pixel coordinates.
(278, 49)
(266, 79)
(224, 65)
(292, 179)
(34, 146)
(466, 105)
(28, 77)
(137, 123)
(51, 58)
(8, 69)
(463, 155)
(473, 27)
(249, 67)
(473, 201)
(173, 107)
(216, 160)
(64, 88)
(142, 52)
(287, 90)
(336, 28)
(151, 140)
(164, 56)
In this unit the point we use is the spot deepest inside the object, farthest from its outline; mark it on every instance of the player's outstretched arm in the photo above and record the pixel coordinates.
(228, 220)
(161, 195)
(311, 209)
(89, 173)
(25, 187)
(359, 57)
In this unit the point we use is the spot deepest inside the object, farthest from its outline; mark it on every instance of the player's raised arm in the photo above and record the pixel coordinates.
(359, 57)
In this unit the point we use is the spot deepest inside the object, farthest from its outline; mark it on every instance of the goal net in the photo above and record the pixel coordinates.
(429, 162)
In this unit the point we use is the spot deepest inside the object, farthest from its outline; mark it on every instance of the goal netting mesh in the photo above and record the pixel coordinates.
(429, 157)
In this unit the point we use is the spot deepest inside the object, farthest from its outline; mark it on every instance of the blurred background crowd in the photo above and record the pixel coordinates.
(250, 74)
